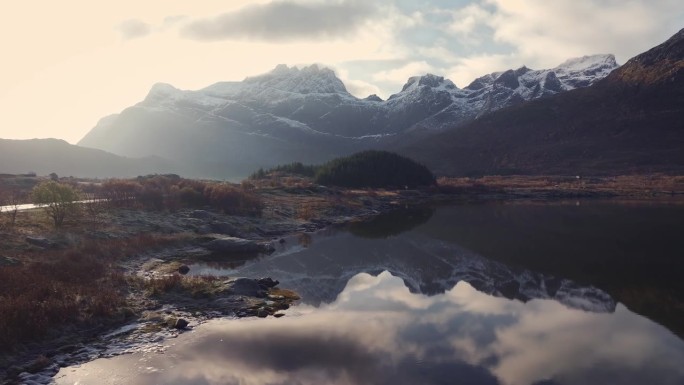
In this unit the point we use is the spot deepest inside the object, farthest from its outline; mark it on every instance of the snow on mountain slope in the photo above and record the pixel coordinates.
(299, 109)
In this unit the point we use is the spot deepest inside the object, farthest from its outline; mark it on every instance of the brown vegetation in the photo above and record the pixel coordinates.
(197, 286)
(623, 185)
(170, 192)
(73, 286)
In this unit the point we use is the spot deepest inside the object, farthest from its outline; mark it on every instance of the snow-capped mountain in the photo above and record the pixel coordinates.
(630, 122)
(291, 114)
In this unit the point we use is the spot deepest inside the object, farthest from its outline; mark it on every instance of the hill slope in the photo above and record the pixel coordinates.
(630, 122)
(45, 156)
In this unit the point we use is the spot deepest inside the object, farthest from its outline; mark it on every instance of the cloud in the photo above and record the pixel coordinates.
(401, 74)
(284, 21)
(134, 28)
(551, 31)
(467, 21)
(467, 69)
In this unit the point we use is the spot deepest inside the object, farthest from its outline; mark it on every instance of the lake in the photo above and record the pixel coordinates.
(572, 292)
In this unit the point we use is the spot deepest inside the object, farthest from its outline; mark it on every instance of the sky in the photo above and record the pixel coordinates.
(68, 63)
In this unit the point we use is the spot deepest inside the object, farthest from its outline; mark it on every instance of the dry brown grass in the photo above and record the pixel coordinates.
(196, 286)
(627, 185)
(77, 285)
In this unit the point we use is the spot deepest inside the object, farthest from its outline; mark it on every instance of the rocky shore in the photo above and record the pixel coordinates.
(161, 300)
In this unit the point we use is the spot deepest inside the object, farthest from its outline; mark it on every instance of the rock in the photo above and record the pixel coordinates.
(278, 315)
(40, 242)
(183, 269)
(281, 240)
(243, 286)
(267, 282)
(8, 261)
(234, 245)
(181, 324)
(262, 313)
(223, 228)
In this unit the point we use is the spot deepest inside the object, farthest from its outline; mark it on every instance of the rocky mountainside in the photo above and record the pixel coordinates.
(629, 122)
(44, 156)
(231, 128)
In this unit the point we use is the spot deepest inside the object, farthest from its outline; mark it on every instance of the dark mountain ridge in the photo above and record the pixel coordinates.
(44, 156)
(630, 122)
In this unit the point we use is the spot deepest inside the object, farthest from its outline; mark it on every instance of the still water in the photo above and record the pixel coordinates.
(467, 294)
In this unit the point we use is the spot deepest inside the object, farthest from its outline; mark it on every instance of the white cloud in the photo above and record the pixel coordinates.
(467, 69)
(547, 32)
(466, 22)
(401, 74)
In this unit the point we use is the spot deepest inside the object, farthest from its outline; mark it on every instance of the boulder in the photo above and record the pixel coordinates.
(184, 269)
(267, 282)
(40, 242)
(243, 286)
(181, 324)
(223, 228)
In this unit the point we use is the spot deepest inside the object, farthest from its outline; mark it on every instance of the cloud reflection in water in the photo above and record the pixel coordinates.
(378, 332)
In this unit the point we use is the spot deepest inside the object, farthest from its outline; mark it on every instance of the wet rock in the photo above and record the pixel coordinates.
(223, 228)
(278, 315)
(181, 324)
(234, 245)
(281, 240)
(40, 242)
(243, 286)
(184, 269)
(8, 261)
(267, 282)
(262, 313)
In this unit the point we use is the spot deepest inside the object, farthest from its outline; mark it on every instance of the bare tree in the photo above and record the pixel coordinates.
(10, 200)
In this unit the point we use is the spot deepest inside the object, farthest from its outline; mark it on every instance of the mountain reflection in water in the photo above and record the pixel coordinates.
(378, 332)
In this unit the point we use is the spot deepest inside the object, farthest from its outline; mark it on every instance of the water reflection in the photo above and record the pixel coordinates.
(378, 332)
(392, 223)
(320, 269)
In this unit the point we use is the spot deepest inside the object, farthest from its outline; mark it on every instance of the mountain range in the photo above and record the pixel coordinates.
(231, 128)
(586, 116)
(630, 122)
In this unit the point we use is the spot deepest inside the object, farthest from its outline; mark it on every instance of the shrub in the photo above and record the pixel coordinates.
(59, 200)
(233, 200)
(374, 169)
(120, 192)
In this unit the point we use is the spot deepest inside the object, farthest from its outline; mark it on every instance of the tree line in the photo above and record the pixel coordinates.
(375, 169)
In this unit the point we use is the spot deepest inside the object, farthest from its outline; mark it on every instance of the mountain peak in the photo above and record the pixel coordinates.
(428, 80)
(309, 79)
(586, 62)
